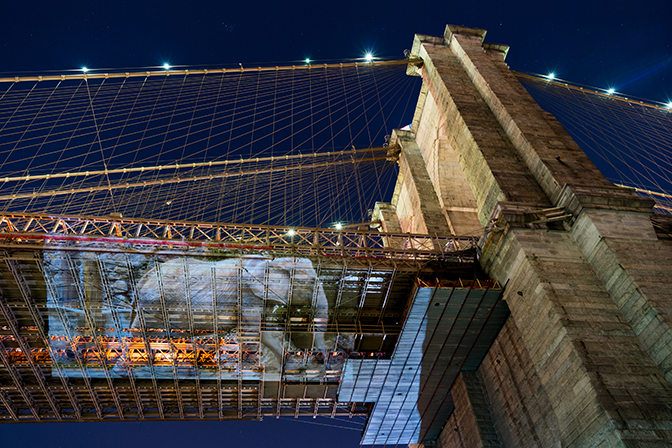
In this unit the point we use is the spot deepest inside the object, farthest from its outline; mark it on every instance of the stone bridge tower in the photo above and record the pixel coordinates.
(585, 358)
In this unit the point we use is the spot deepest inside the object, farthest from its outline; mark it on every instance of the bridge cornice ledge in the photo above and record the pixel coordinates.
(451, 30)
(575, 198)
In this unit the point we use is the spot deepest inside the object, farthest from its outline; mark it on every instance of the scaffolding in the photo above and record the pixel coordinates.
(115, 318)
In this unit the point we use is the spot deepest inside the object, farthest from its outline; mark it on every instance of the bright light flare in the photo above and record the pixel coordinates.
(85, 69)
(368, 57)
(611, 91)
(291, 232)
(669, 105)
(307, 60)
(551, 75)
(338, 226)
(166, 66)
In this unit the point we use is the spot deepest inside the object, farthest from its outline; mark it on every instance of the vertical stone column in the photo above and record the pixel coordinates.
(385, 215)
(586, 357)
(418, 206)
(613, 226)
(553, 158)
(384, 218)
(601, 385)
(470, 425)
(635, 266)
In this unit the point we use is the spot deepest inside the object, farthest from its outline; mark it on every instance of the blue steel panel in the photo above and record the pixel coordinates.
(446, 330)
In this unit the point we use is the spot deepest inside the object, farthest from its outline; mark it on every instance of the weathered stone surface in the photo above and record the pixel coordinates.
(520, 404)
(443, 165)
(386, 216)
(553, 157)
(489, 161)
(636, 268)
(595, 372)
(418, 207)
(586, 356)
(471, 424)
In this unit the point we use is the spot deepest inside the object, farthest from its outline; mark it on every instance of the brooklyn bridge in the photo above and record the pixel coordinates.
(464, 254)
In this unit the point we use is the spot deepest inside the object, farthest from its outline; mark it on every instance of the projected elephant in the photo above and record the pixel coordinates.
(214, 289)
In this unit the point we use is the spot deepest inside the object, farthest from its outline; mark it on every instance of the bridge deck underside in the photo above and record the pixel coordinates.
(57, 364)
(94, 334)
(96, 324)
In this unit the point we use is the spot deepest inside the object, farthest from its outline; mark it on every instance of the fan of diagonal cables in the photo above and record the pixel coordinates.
(297, 145)
(629, 140)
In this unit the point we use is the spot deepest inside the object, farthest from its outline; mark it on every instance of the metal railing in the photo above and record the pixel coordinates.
(194, 238)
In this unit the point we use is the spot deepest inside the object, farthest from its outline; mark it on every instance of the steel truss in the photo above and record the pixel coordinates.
(67, 375)
(185, 408)
(359, 247)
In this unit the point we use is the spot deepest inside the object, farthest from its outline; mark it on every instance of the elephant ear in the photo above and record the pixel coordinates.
(279, 271)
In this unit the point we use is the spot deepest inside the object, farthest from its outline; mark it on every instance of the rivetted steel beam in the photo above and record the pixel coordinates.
(13, 326)
(143, 331)
(167, 326)
(7, 403)
(16, 379)
(215, 332)
(68, 335)
(409, 252)
(91, 323)
(192, 334)
(107, 295)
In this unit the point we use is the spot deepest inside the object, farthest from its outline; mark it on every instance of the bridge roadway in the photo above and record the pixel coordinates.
(65, 324)
(403, 251)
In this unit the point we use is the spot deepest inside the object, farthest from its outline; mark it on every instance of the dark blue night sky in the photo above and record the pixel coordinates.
(622, 44)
